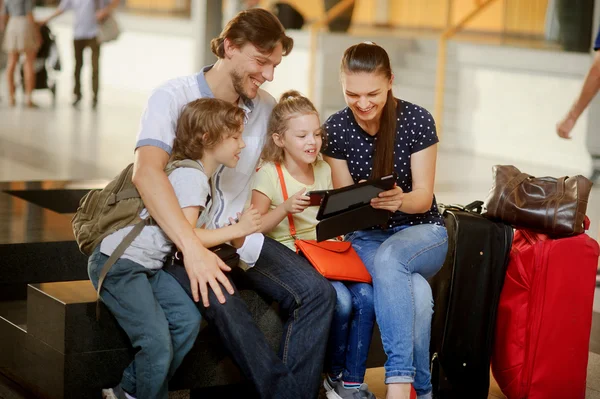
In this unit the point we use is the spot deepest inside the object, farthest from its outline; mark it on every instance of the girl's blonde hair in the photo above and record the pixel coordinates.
(216, 118)
(291, 104)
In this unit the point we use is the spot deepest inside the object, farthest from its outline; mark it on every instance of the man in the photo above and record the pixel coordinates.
(88, 14)
(248, 50)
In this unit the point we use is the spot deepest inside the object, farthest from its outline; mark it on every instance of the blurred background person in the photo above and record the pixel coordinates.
(88, 15)
(21, 35)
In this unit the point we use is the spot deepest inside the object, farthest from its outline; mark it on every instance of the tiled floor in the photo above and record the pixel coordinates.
(63, 143)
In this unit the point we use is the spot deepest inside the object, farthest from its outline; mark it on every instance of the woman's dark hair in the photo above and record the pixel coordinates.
(371, 58)
(257, 26)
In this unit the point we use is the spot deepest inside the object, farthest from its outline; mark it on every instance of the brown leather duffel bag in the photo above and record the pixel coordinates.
(548, 205)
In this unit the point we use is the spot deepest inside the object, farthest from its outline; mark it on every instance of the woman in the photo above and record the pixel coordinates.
(374, 136)
(21, 36)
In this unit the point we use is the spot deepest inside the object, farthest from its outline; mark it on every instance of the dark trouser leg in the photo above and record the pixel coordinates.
(95, 46)
(78, 46)
(245, 342)
(308, 300)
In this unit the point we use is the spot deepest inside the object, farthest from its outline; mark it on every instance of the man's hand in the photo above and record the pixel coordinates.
(390, 200)
(565, 126)
(249, 221)
(297, 202)
(204, 268)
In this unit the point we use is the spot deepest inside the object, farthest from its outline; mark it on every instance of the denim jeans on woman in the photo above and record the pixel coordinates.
(159, 318)
(400, 260)
(351, 331)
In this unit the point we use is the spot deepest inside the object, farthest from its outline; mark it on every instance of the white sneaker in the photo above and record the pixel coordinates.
(109, 394)
(115, 393)
(329, 384)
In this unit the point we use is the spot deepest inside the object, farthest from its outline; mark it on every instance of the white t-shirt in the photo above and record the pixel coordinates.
(231, 187)
(152, 246)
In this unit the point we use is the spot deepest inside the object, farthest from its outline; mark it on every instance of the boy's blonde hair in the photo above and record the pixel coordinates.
(291, 104)
(203, 124)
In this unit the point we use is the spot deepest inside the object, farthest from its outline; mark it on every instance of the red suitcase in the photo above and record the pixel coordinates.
(545, 317)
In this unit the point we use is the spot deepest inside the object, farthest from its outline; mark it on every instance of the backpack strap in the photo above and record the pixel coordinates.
(183, 163)
(123, 195)
(138, 227)
(118, 252)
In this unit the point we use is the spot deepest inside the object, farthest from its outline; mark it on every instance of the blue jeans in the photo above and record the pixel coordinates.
(159, 318)
(305, 298)
(400, 260)
(351, 331)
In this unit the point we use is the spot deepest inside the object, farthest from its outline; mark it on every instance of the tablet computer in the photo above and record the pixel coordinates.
(360, 194)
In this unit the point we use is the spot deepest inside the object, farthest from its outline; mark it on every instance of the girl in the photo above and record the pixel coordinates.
(22, 36)
(294, 142)
(148, 303)
(375, 135)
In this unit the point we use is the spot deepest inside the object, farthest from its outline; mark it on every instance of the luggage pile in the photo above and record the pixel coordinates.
(521, 302)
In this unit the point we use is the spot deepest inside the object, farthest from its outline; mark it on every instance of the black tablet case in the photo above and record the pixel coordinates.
(355, 217)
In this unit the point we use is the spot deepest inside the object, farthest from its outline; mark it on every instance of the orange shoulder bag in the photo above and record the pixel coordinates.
(335, 260)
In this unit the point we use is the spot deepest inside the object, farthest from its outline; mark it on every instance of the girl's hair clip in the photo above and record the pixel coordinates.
(369, 42)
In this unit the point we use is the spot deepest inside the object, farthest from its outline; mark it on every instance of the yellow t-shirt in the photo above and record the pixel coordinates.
(267, 182)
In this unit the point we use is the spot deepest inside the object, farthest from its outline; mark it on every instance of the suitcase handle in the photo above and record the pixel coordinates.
(473, 207)
(586, 223)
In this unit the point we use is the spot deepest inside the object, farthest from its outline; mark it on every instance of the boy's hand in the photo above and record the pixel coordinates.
(297, 202)
(249, 221)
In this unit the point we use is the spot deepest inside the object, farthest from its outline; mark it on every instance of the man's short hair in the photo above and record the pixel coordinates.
(257, 26)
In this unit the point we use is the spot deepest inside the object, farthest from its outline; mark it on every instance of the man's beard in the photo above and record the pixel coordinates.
(238, 85)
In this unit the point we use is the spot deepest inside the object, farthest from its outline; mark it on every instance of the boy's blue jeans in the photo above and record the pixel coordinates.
(400, 260)
(161, 321)
(351, 331)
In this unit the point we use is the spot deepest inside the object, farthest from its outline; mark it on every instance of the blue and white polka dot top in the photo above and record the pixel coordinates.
(415, 131)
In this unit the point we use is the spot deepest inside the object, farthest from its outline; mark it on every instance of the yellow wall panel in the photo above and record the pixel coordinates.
(422, 14)
(516, 16)
(526, 17)
(489, 20)
(364, 12)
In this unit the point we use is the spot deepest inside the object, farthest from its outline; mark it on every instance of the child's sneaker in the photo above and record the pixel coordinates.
(329, 384)
(340, 392)
(115, 393)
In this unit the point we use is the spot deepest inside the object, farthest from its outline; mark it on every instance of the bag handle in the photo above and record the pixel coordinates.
(509, 188)
(285, 198)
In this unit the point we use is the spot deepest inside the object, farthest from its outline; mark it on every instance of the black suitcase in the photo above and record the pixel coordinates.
(466, 292)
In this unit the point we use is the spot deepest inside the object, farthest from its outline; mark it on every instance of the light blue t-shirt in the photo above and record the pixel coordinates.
(85, 25)
(152, 246)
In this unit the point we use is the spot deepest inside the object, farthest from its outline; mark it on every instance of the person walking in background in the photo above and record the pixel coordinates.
(21, 35)
(88, 15)
(590, 88)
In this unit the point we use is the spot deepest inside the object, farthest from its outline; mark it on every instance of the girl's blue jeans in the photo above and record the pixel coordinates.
(351, 331)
